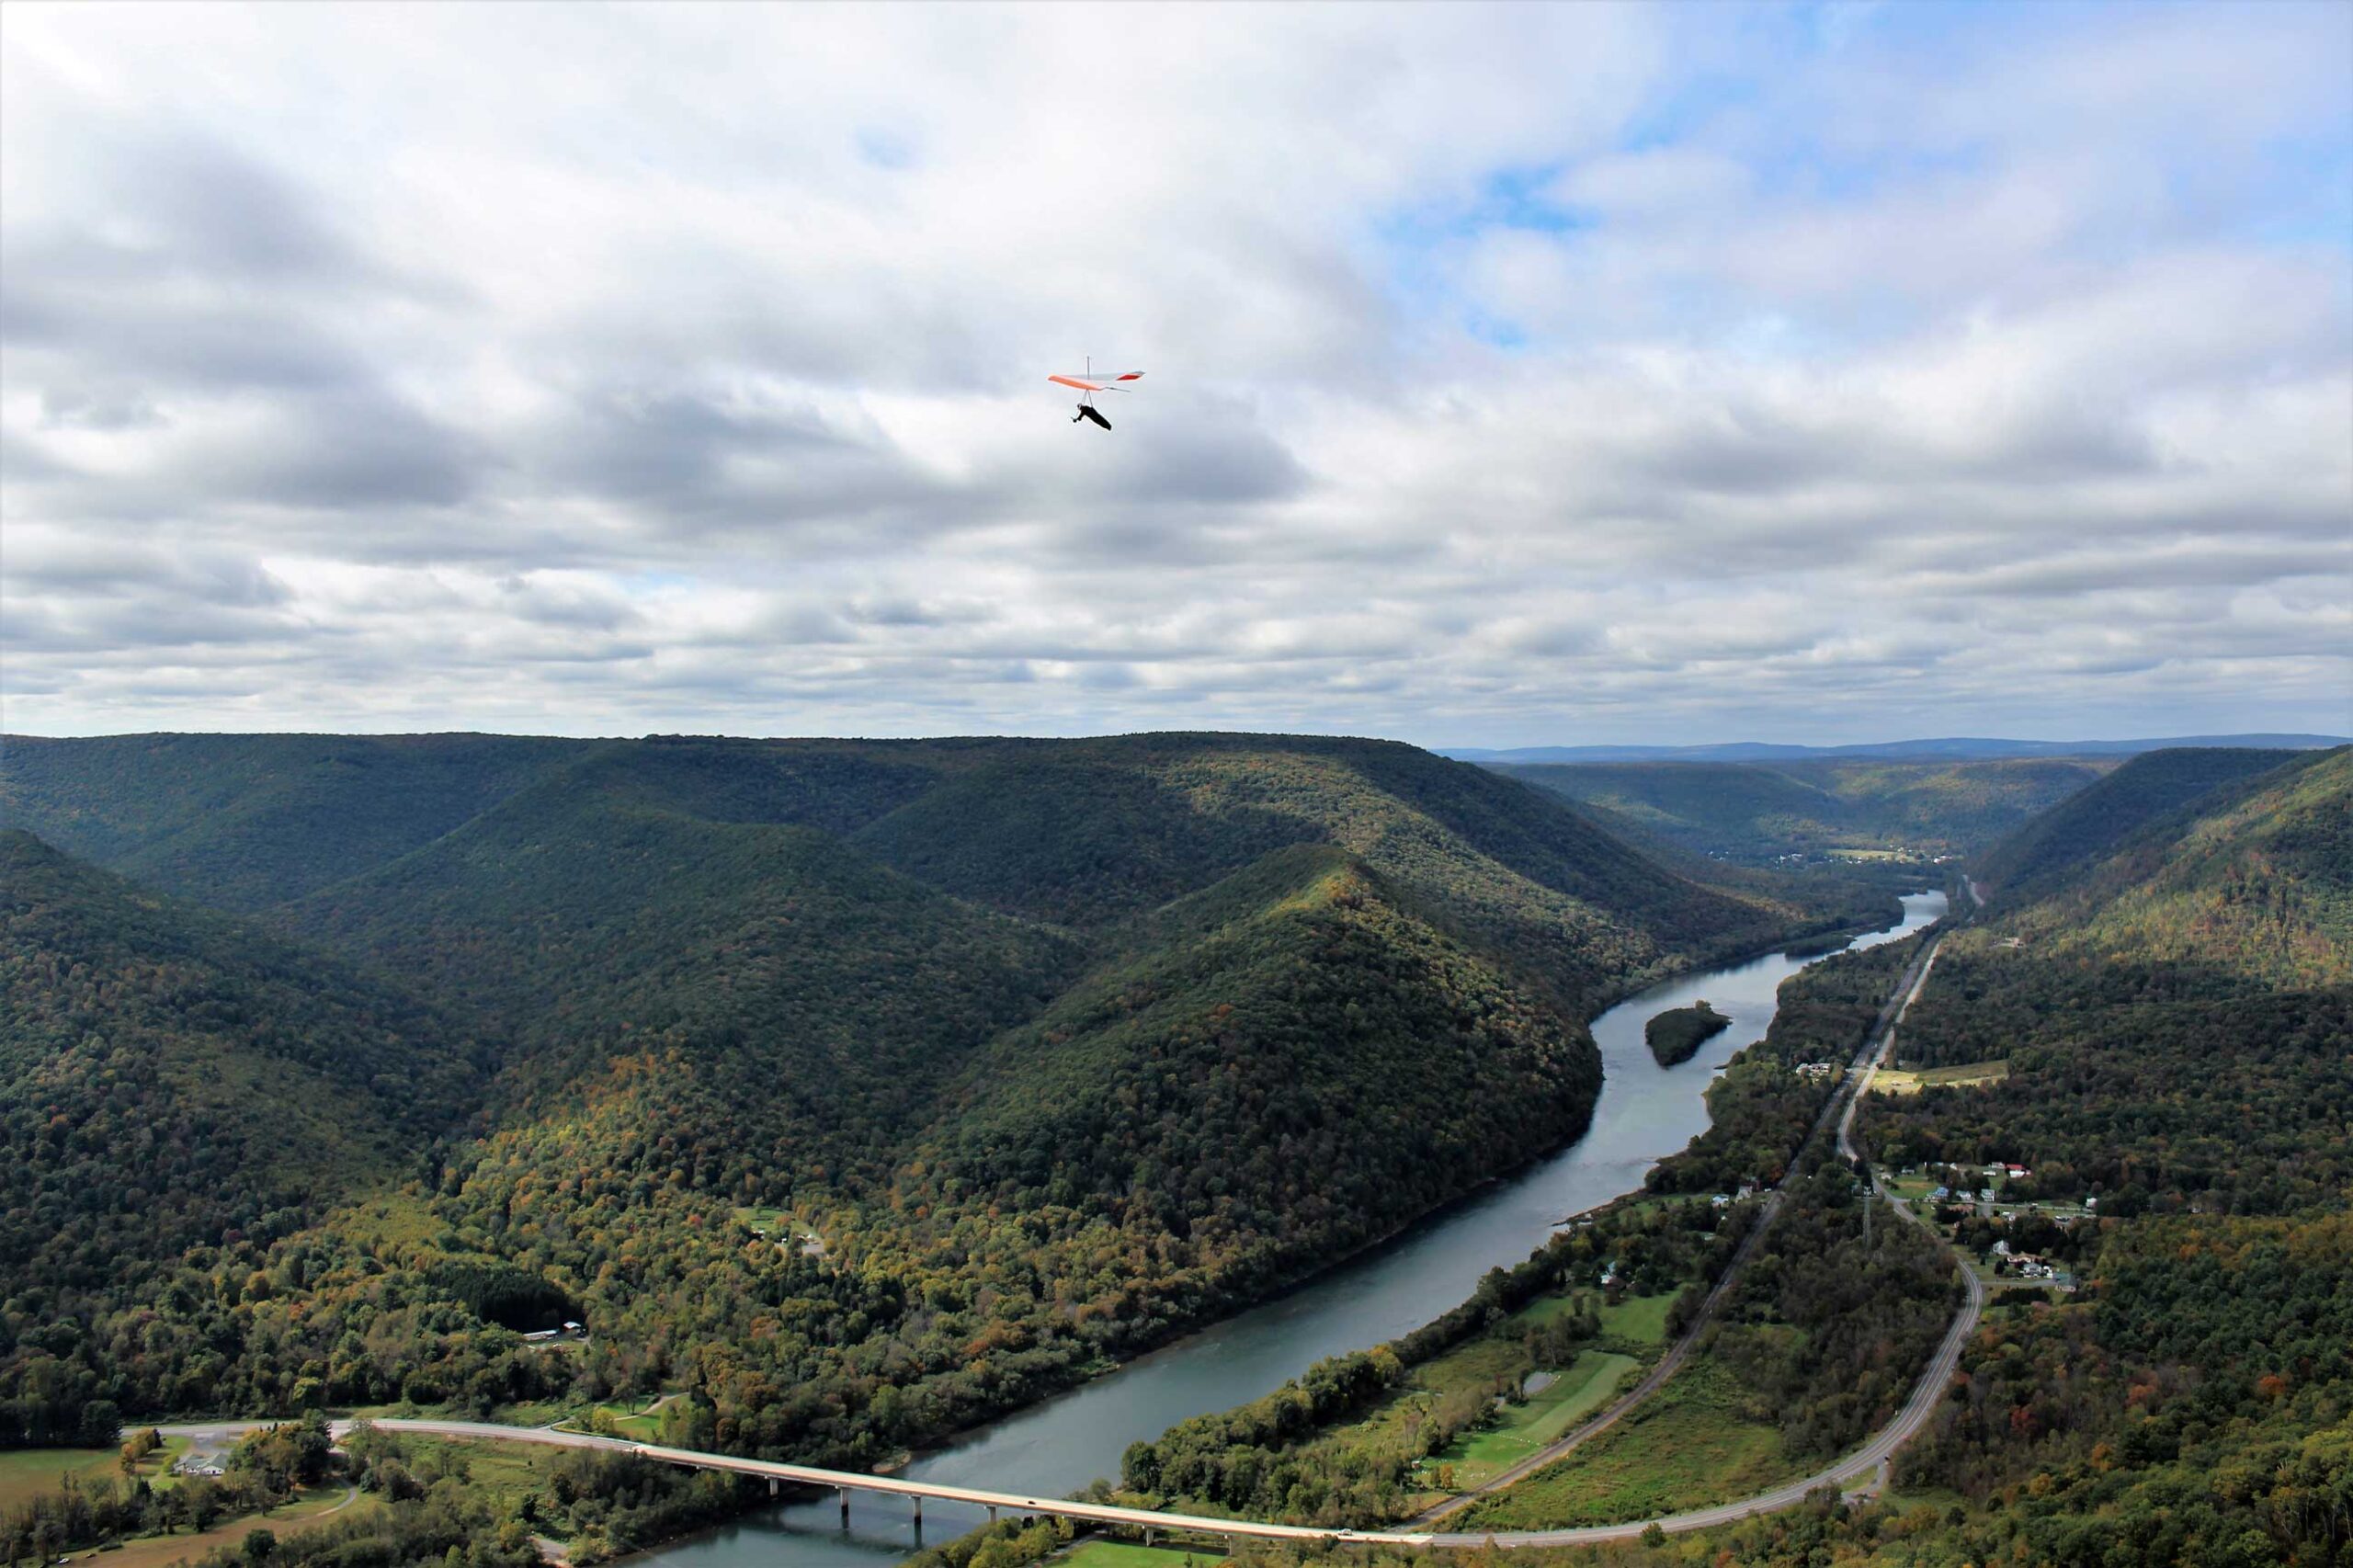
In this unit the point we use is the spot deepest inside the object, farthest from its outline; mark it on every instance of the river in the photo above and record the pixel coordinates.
(1645, 1113)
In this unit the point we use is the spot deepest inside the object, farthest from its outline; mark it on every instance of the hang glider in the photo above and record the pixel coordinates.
(1089, 384)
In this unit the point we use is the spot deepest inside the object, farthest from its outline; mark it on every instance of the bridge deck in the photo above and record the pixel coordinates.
(1098, 1513)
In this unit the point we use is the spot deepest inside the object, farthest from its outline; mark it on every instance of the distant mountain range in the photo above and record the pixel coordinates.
(1954, 748)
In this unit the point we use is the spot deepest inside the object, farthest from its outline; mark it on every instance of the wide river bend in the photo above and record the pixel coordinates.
(1645, 1113)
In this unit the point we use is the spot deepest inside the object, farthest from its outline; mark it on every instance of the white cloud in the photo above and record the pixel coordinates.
(1517, 375)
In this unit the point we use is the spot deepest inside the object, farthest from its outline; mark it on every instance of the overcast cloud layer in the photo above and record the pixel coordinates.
(1518, 376)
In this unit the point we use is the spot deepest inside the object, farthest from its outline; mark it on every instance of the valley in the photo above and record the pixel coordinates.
(1007, 1106)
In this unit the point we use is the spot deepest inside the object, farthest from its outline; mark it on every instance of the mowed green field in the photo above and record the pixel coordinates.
(1522, 1429)
(23, 1472)
(1641, 1319)
(26, 1472)
(1688, 1445)
(1583, 1386)
(1637, 1319)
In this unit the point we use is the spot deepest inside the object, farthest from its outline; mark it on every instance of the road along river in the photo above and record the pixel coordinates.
(1645, 1112)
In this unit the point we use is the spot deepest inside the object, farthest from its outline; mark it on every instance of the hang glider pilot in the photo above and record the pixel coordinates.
(1088, 386)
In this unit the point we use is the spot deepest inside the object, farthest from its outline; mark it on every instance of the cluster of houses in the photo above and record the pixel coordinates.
(569, 1330)
(1817, 1068)
(1982, 1194)
(2030, 1265)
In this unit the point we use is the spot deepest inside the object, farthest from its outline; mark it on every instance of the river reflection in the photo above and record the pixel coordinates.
(1645, 1113)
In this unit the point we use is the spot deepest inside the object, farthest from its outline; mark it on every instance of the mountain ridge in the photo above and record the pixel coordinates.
(1942, 748)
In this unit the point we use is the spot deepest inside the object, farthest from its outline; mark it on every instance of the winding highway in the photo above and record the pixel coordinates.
(1872, 1456)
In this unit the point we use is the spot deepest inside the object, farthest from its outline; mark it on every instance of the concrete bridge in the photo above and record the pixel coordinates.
(1150, 1521)
(845, 1481)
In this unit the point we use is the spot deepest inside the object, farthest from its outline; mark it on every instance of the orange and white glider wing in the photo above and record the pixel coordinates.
(1109, 385)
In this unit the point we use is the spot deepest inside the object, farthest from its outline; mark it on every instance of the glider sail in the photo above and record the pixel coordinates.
(1089, 384)
(1084, 384)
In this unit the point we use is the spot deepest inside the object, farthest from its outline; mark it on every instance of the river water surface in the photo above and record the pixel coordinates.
(1645, 1112)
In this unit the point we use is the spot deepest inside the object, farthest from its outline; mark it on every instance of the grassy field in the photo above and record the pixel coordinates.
(1521, 1429)
(161, 1550)
(23, 1472)
(1688, 1447)
(26, 1472)
(634, 1419)
(1639, 1320)
(1494, 1361)
(630, 1422)
(1903, 1080)
(1124, 1554)
(506, 1470)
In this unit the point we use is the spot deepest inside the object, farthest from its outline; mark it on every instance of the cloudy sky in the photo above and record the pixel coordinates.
(1515, 376)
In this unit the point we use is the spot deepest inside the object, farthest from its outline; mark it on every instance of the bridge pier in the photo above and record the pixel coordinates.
(991, 1513)
(775, 1486)
(843, 1493)
(917, 1500)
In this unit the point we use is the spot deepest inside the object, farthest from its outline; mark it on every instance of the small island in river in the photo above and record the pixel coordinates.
(1677, 1033)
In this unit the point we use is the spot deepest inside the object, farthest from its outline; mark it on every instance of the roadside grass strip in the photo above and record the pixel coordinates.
(1101, 1554)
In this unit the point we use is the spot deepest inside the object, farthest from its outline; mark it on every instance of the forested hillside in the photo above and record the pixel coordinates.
(179, 1094)
(1050, 1048)
(2172, 1009)
(1753, 812)
(2166, 971)
(1218, 1082)
(244, 821)
(2040, 856)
